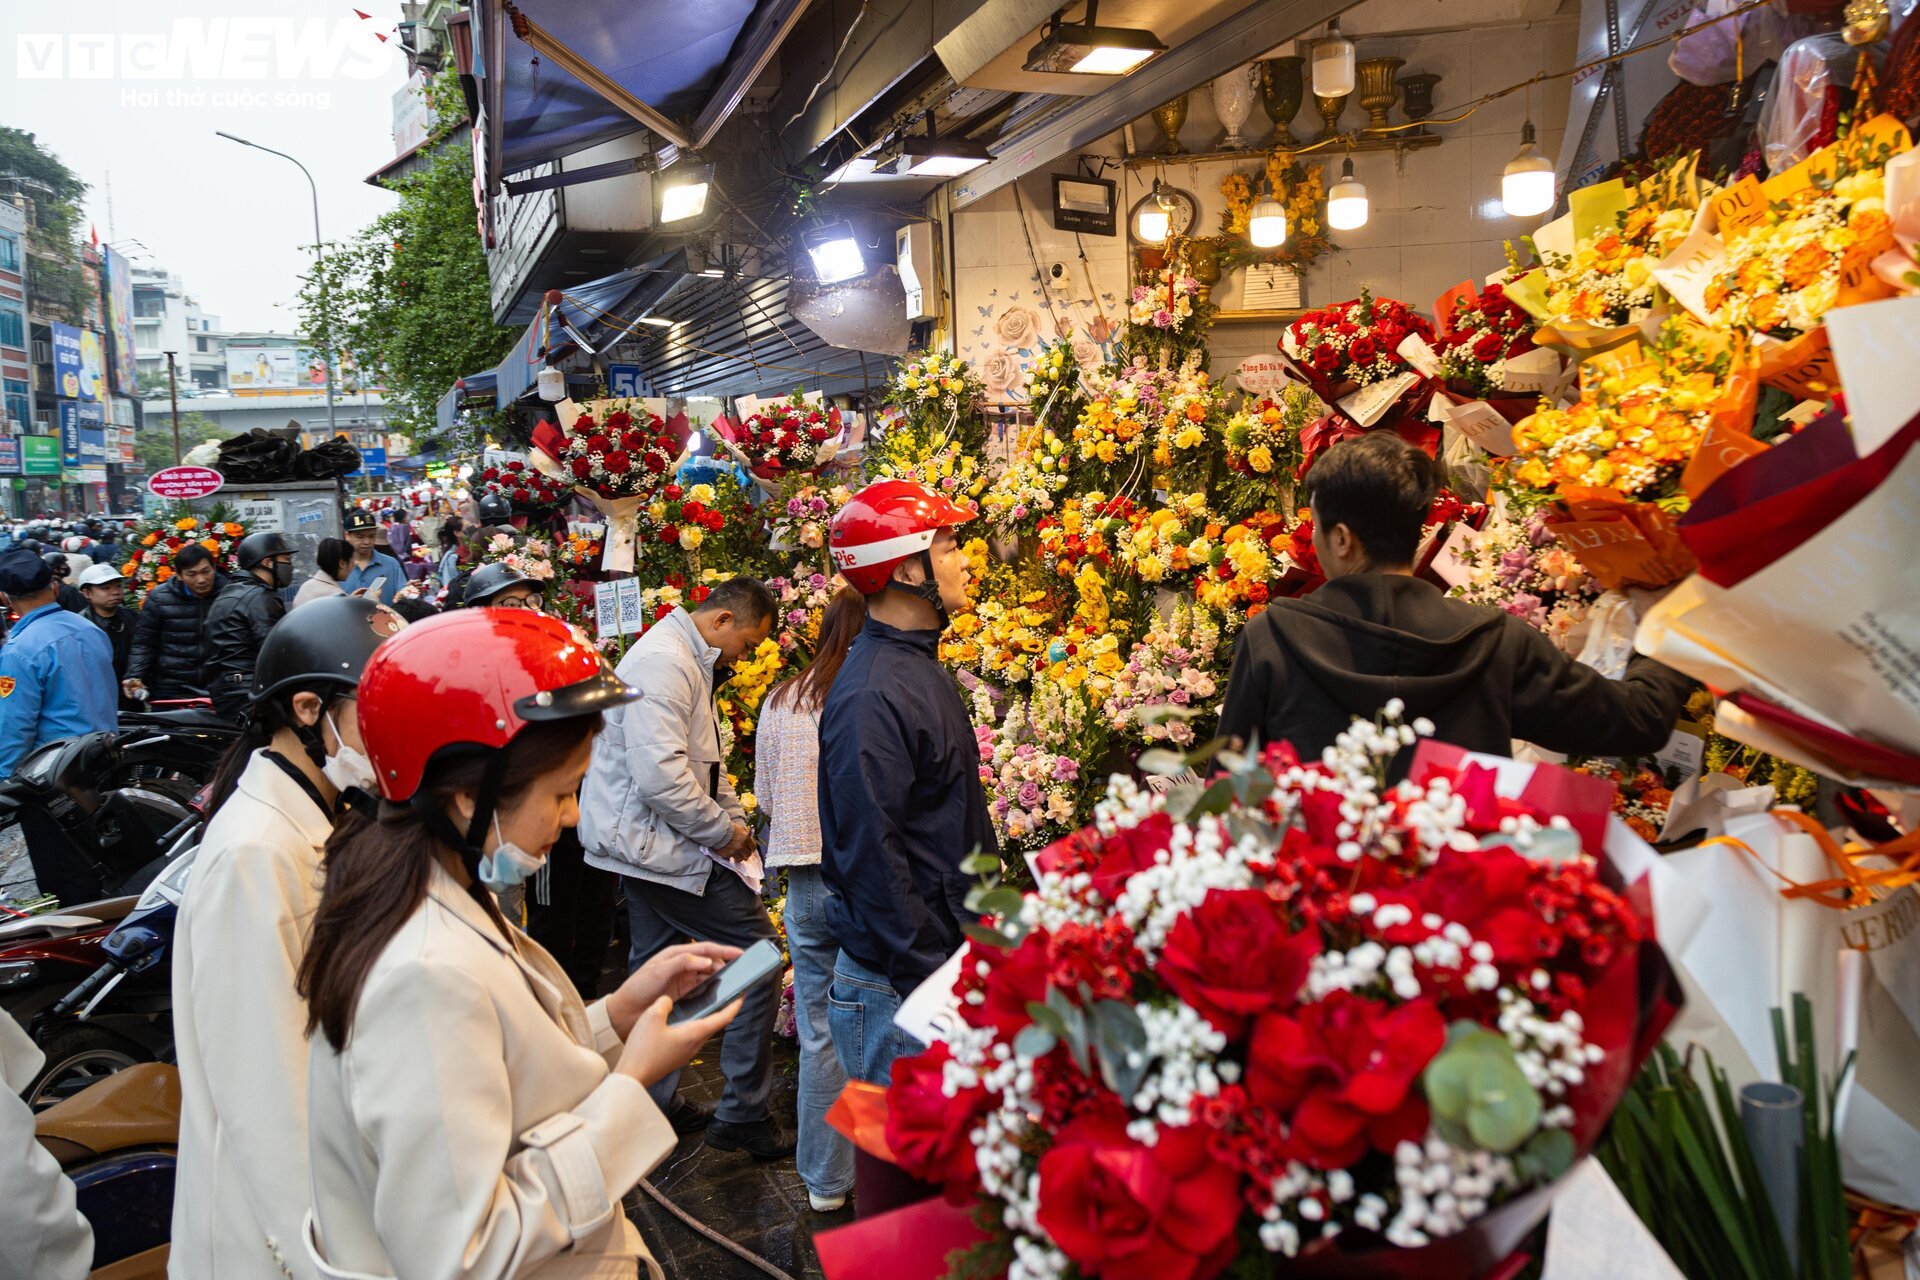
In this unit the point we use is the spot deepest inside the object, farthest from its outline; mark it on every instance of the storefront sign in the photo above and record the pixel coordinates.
(9, 456)
(184, 482)
(66, 360)
(83, 434)
(40, 455)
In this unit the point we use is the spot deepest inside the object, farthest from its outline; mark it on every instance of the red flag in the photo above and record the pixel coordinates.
(362, 16)
(94, 233)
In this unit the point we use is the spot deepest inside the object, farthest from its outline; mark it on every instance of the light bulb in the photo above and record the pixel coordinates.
(1153, 224)
(1333, 63)
(1347, 206)
(1526, 188)
(1267, 224)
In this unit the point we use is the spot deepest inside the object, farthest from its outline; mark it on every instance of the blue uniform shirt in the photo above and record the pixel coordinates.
(383, 566)
(56, 681)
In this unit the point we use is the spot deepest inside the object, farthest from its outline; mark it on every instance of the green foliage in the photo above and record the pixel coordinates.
(53, 192)
(408, 295)
(1684, 1164)
(1478, 1093)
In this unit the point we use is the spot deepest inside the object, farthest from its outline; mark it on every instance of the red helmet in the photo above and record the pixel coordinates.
(474, 678)
(885, 523)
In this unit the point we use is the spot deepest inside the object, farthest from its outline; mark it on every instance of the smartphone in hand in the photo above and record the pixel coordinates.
(758, 964)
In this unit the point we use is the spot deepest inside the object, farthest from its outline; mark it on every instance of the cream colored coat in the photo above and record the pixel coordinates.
(472, 1127)
(239, 1028)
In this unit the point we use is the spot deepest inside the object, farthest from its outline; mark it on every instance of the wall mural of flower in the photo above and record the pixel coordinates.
(1017, 327)
(1001, 371)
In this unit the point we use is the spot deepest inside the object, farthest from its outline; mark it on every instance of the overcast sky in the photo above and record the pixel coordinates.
(306, 77)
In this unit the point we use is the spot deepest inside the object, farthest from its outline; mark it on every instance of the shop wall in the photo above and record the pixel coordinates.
(1436, 216)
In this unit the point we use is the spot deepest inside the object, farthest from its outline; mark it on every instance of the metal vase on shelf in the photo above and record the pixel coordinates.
(1416, 99)
(1170, 116)
(1377, 90)
(1282, 88)
(1233, 103)
(1330, 109)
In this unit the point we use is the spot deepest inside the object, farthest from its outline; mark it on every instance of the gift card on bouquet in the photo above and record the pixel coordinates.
(1370, 403)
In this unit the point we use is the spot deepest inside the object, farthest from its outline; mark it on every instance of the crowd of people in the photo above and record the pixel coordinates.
(395, 1055)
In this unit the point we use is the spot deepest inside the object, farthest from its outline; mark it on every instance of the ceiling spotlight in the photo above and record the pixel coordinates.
(1526, 188)
(1332, 63)
(931, 157)
(835, 252)
(1267, 223)
(1347, 206)
(1085, 48)
(660, 322)
(683, 192)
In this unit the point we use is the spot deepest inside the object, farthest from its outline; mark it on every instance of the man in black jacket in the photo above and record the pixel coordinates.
(1305, 669)
(106, 590)
(244, 612)
(169, 642)
(901, 804)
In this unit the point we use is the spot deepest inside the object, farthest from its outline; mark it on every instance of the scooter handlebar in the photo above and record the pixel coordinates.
(74, 999)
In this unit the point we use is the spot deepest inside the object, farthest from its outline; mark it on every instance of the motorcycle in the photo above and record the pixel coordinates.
(56, 981)
(119, 1142)
(99, 810)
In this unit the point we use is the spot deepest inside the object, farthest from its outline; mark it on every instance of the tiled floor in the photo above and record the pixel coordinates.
(761, 1207)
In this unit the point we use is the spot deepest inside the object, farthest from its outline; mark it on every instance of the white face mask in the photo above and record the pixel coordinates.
(508, 864)
(348, 767)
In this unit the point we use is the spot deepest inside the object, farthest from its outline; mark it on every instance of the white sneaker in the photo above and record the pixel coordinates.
(826, 1204)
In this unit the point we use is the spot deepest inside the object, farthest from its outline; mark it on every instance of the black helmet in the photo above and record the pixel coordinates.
(489, 580)
(256, 547)
(495, 509)
(323, 642)
(58, 562)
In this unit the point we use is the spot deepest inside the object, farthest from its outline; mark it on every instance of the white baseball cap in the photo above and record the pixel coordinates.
(101, 574)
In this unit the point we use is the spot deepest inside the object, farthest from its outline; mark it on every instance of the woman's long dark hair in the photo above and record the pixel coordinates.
(846, 614)
(378, 865)
(449, 535)
(257, 729)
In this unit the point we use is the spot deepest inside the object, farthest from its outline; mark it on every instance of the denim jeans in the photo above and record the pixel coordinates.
(860, 1013)
(825, 1158)
(728, 912)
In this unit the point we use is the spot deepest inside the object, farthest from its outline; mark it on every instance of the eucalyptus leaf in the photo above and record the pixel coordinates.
(1046, 1016)
(987, 936)
(1216, 799)
(1159, 760)
(1034, 1042)
(1001, 901)
(1475, 1083)
(980, 864)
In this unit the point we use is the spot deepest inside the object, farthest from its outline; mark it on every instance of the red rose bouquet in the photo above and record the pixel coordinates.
(527, 489)
(615, 454)
(784, 438)
(1482, 334)
(1350, 355)
(1295, 1012)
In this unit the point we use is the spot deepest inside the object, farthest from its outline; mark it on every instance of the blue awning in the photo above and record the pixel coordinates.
(666, 53)
(586, 311)
(475, 386)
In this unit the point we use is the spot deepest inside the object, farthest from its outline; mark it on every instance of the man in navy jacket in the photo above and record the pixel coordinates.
(900, 798)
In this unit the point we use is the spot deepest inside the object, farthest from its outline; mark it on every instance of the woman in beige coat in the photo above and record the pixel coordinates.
(469, 1117)
(239, 1026)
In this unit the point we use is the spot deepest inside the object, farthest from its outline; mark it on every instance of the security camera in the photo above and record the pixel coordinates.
(1057, 276)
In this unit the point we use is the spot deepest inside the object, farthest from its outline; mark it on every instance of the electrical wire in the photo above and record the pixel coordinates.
(833, 66)
(1039, 272)
(702, 1229)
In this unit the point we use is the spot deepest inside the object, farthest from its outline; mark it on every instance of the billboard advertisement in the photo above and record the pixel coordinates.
(66, 361)
(83, 435)
(9, 456)
(275, 369)
(120, 323)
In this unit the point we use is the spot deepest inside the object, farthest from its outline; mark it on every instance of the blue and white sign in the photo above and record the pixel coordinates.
(373, 462)
(623, 380)
(83, 434)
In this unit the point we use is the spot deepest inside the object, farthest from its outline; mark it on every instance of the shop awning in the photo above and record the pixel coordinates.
(566, 316)
(475, 386)
(669, 54)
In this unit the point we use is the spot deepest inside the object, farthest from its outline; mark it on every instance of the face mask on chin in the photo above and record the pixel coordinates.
(349, 766)
(508, 865)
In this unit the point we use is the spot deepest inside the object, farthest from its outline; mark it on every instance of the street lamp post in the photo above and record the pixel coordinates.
(173, 394)
(319, 261)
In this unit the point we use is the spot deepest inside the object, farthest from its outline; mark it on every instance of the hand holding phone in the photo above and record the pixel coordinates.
(757, 965)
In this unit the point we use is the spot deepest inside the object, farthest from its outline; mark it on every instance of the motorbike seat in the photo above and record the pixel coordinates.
(135, 1107)
(180, 718)
(79, 918)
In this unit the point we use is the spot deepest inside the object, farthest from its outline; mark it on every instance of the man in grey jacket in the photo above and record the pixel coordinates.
(657, 809)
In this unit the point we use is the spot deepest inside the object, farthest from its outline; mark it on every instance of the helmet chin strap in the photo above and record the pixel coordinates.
(927, 589)
(439, 822)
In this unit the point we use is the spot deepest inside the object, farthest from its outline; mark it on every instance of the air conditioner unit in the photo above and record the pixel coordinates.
(42, 351)
(43, 419)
